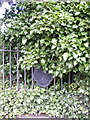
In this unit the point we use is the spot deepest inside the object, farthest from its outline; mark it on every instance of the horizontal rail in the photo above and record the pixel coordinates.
(17, 71)
(10, 50)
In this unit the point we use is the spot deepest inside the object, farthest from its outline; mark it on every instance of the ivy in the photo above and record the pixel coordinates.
(70, 102)
(52, 35)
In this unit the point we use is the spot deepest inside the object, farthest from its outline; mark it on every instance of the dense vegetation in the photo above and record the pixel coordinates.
(71, 102)
(54, 36)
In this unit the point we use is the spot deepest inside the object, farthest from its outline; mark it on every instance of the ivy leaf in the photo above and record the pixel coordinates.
(86, 44)
(24, 40)
(83, 59)
(77, 13)
(42, 61)
(53, 47)
(82, 48)
(56, 73)
(64, 71)
(81, 68)
(70, 65)
(65, 56)
(75, 63)
(54, 41)
(28, 36)
(75, 26)
(50, 71)
(75, 55)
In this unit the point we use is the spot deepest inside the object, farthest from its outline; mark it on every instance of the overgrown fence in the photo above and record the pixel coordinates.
(60, 45)
(9, 76)
(10, 51)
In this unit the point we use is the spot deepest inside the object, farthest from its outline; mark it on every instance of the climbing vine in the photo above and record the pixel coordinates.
(52, 35)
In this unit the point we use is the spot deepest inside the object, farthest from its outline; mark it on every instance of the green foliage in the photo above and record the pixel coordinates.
(52, 35)
(55, 36)
(70, 102)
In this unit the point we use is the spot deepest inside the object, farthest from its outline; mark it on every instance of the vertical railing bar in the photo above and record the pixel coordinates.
(32, 69)
(25, 77)
(17, 69)
(3, 69)
(10, 69)
(0, 62)
(61, 83)
(72, 77)
(69, 78)
(54, 85)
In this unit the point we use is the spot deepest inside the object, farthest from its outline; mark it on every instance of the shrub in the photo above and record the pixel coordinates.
(52, 35)
(70, 102)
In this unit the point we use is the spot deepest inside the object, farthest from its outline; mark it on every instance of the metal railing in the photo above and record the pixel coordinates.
(10, 67)
(18, 52)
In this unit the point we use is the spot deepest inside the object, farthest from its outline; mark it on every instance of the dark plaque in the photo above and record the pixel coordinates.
(43, 79)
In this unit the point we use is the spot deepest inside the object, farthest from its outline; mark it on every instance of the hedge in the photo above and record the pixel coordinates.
(51, 35)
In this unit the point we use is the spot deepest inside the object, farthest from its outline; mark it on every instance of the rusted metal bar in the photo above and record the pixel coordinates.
(54, 84)
(25, 77)
(17, 69)
(72, 77)
(69, 78)
(32, 78)
(3, 70)
(10, 50)
(61, 83)
(10, 69)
